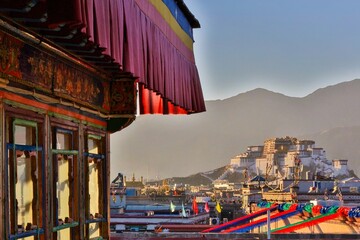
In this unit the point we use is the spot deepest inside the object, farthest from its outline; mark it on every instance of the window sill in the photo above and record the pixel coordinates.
(95, 220)
(27, 234)
(65, 225)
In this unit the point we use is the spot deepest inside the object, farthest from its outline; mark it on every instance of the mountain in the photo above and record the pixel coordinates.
(176, 146)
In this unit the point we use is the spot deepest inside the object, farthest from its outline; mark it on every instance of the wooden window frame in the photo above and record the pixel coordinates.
(12, 121)
(73, 129)
(101, 177)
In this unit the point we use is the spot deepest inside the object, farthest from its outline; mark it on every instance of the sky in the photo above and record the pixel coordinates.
(288, 46)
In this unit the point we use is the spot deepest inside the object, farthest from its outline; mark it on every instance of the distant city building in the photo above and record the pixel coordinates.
(340, 164)
(223, 185)
(133, 187)
(246, 159)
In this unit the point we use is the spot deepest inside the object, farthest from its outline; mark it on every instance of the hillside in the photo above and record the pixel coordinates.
(206, 178)
(177, 146)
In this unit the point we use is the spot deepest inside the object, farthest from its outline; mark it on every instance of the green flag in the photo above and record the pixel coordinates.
(172, 207)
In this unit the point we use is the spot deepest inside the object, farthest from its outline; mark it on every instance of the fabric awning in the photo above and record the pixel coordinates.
(145, 38)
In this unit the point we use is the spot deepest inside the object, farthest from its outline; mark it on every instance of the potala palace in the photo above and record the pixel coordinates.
(287, 156)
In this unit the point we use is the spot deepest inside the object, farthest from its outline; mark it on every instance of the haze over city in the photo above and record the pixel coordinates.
(289, 47)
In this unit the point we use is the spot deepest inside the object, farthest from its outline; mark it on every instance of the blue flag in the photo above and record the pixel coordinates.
(183, 210)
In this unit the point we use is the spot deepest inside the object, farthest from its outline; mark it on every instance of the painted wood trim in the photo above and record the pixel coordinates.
(82, 187)
(27, 234)
(65, 225)
(2, 173)
(16, 100)
(48, 223)
(63, 151)
(106, 229)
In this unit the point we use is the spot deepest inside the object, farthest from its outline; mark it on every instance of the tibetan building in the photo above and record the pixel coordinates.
(70, 75)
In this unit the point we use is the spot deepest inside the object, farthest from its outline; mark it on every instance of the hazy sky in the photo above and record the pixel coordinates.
(289, 46)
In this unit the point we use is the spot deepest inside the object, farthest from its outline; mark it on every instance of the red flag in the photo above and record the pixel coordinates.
(207, 209)
(195, 206)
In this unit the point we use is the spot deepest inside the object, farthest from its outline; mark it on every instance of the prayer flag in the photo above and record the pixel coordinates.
(172, 207)
(207, 209)
(218, 207)
(195, 206)
(183, 213)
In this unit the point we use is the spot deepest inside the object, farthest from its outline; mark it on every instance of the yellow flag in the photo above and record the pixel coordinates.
(218, 207)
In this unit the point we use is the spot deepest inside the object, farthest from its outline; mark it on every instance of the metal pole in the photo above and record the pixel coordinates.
(268, 225)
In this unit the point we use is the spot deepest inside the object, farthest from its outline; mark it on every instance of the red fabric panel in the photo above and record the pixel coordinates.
(152, 56)
(102, 24)
(172, 109)
(117, 30)
(152, 103)
(87, 17)
(133, 37)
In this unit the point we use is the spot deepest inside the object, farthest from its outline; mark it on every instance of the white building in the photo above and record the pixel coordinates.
(285, 157)
(340, 166)
(247, 159)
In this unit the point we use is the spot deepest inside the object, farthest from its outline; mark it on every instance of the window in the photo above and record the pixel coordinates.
(353, 189)
(25, 175)
(51, 189)
(64, 156)
(96, 184)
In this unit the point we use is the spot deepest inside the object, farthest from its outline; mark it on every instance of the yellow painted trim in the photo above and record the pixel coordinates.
(174, 25)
